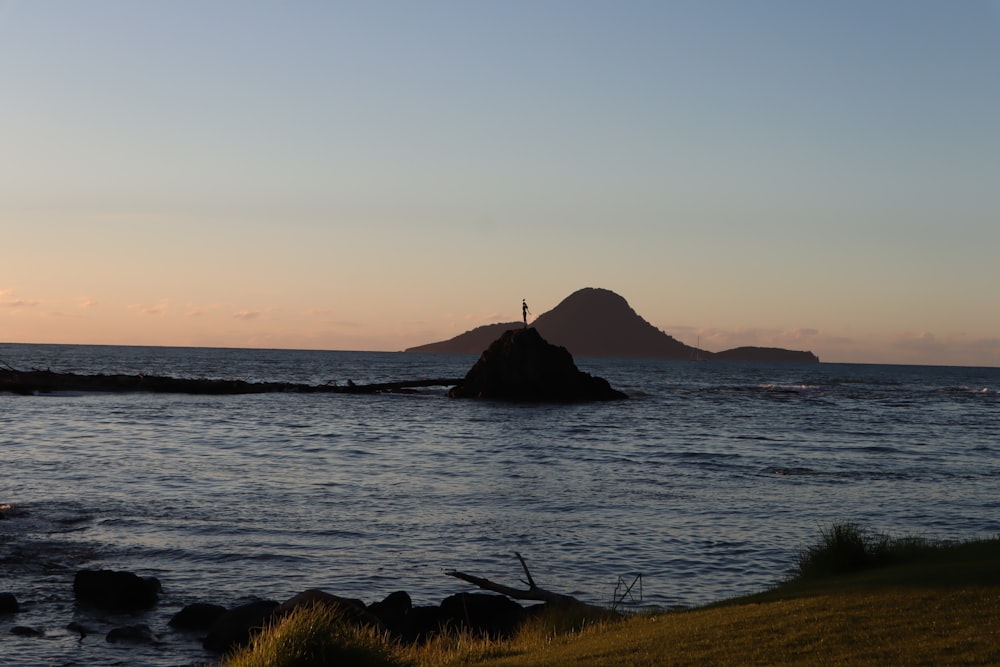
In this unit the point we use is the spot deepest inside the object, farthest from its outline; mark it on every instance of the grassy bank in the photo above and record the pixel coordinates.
(856, 599)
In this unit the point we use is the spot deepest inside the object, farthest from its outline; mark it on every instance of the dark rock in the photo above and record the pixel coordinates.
(237, 625)
(80, 628)
(392, 611)
(198, 616)
(314, 596)
(350, 609)
(24, 631)
(8, 604)
(122, 591)
(522, 366)
(8, 511)
(132, 634)
(422, 623)
(488, 615)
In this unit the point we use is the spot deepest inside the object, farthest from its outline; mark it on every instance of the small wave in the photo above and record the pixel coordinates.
(878, 449)
(635, 392)
(767, 389)
(787, 472)
(789, 388)
(984, 391)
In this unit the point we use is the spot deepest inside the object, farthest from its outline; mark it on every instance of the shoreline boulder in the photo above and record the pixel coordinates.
(482, 614)
(199, 616)
(237, 626)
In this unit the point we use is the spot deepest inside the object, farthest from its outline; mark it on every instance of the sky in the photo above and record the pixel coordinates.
(378, 175)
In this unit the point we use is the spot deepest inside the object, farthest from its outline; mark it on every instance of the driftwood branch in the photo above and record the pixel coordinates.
(533, 592)
(530, 582)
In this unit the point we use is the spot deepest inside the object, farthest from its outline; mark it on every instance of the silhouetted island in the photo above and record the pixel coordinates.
(597, 322)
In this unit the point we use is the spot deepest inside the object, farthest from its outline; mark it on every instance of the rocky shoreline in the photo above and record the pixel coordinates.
(219, 629)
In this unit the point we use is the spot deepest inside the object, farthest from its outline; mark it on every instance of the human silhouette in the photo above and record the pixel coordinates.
(525, 312)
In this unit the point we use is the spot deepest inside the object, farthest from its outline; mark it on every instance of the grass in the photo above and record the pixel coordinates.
(316, 635)
(856, 598)
(848, 547)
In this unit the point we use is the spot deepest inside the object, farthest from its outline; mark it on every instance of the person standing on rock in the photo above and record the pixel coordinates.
(525, 312)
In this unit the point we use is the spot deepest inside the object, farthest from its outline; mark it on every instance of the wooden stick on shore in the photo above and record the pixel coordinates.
(533, 593)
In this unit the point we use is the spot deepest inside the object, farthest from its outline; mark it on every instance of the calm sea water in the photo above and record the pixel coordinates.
(708, 482)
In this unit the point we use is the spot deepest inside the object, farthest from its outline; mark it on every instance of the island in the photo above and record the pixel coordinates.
(595, 322)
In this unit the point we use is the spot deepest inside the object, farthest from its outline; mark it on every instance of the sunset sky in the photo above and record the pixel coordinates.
(377, 175)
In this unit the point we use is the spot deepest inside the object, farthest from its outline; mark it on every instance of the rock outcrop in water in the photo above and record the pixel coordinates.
(522, 366)
(114, 590)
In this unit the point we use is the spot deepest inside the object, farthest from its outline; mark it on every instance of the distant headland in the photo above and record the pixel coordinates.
(597, 322)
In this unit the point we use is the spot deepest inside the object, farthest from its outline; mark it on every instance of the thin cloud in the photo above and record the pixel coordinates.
(801, 334)
(85, 302)
(151, 311)
(72, 316)
(195, 310)
(247, 315)
(918, 339)
(325, 315)
(15, 303)
(951, 349)
(489, 318)
(723, 339)
(19, 303)
(923, 342)
(984, 344)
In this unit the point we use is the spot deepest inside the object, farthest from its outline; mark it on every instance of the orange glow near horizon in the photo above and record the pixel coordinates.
(822, 178)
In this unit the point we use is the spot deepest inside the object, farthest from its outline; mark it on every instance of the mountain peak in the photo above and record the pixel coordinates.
(600, 323)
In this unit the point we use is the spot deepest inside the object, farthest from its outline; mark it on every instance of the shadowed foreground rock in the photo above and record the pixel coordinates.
(237, 625)
(522, 366)
(198, 616)
(482, 614)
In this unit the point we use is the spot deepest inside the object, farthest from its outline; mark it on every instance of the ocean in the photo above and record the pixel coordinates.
(707, 482)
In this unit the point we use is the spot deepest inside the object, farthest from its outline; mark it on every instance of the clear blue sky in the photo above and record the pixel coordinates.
(375, 175)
